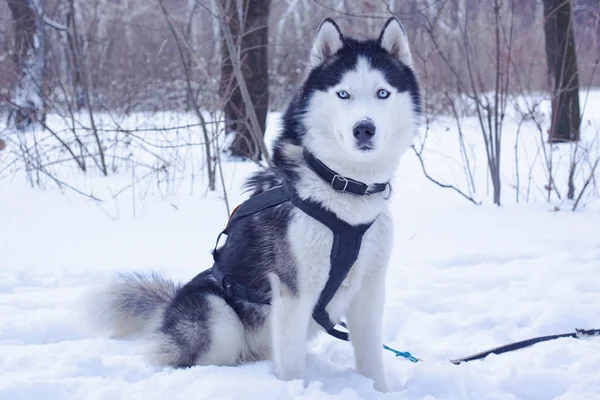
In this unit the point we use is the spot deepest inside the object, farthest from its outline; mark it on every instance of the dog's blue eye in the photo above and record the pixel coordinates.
(342, 94)
(383, 94)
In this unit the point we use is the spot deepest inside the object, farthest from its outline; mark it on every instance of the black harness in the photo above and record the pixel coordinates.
(346, 238)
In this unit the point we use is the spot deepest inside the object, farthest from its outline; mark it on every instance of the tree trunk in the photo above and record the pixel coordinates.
(562, 70)
(75, 62)
(250, 30)
(28, 97)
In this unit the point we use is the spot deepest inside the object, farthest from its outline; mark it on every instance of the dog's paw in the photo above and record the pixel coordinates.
(288, 370)
(288, 374)
(381, 385)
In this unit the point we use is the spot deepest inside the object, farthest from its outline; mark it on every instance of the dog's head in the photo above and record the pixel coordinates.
(360, 101)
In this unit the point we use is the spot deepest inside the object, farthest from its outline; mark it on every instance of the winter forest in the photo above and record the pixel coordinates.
(90, 64)
(127, 129)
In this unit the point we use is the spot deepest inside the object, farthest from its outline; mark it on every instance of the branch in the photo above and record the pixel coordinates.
(54, 24)
(587, 183)
(442, 185)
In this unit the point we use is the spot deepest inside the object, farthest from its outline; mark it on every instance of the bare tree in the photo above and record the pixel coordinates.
(562, 69)
(27, 99)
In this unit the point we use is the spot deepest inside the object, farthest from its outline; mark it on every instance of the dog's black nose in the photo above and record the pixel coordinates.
(364, 131)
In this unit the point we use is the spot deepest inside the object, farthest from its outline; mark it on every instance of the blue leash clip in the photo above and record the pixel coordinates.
(405, 355)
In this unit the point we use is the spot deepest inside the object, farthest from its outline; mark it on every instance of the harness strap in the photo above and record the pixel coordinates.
(347, 240)
(267, 199)
(236, 290)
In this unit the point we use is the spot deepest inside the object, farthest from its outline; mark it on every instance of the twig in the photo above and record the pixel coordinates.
(443, 185)
(54, 24)
(218, 160)
(587, 182)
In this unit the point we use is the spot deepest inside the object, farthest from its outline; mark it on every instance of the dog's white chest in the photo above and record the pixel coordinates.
(311, 243)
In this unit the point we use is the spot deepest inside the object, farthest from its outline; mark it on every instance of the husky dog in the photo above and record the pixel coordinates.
(356, 112)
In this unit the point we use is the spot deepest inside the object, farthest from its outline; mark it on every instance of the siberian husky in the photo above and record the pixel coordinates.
(356, 113)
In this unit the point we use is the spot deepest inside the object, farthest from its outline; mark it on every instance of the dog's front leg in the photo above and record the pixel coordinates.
(365, 319)
(290, 316)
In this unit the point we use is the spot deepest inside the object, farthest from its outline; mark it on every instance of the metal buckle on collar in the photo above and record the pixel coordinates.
(341, 179)
(387, 193)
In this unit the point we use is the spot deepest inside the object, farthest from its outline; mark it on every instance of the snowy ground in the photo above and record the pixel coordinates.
(463, 278)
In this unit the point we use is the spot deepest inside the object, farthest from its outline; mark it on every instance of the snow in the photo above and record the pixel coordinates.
(462, 279)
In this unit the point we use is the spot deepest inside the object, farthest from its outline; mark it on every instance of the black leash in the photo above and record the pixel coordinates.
(578, 334)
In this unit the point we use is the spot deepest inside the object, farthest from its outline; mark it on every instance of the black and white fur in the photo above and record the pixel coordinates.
(283, 250)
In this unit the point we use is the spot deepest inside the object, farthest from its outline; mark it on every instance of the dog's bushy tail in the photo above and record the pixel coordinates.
(132, 303)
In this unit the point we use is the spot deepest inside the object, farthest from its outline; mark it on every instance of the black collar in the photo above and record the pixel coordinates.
(343, 184)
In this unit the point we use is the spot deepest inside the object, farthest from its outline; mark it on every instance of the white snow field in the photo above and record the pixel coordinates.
(462, 279)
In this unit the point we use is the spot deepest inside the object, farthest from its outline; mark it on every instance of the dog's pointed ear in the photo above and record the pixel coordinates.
(393, 39)
(328, 41)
